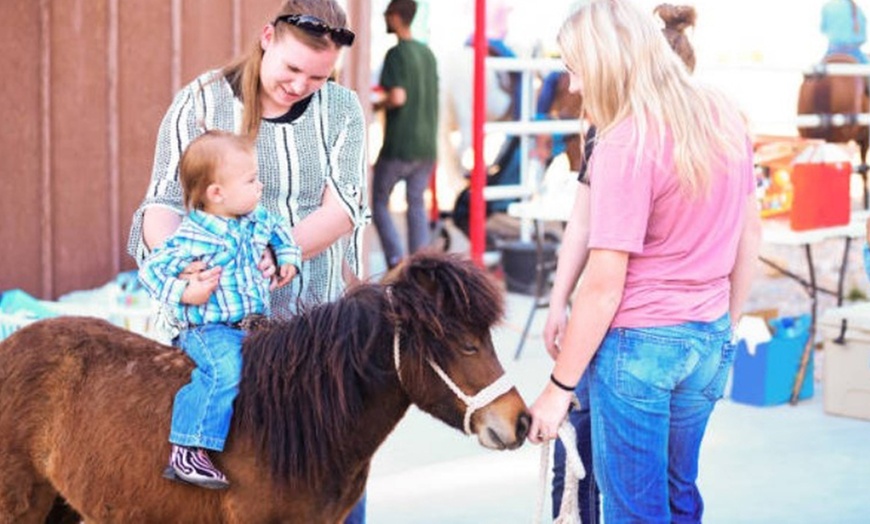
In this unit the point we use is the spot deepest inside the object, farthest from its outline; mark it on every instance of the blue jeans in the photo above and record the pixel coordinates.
(588, 499)
(652, 391)
(387, 174)
(853, 51)
(358, 513)
(866, 253)
(204, 406)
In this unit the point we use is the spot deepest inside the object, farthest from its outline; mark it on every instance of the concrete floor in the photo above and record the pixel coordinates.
(780, 464)
(789, 464)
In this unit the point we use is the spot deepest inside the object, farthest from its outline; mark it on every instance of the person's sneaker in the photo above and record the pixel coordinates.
(193, 466)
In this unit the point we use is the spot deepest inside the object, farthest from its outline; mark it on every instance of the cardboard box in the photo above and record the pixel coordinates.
(846, 374)
(774, 158)
(765, 377)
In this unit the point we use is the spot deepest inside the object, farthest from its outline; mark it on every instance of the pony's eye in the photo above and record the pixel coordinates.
(469, 349)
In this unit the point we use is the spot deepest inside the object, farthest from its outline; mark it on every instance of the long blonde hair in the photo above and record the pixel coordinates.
(244, 72)
(628, 70)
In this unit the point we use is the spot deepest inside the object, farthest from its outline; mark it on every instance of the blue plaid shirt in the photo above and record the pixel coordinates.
(234, 244)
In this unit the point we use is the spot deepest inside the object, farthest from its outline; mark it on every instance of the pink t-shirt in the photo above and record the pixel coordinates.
(681, 250)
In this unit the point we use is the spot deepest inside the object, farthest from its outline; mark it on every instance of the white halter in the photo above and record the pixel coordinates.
(473, 403)
(481, 399)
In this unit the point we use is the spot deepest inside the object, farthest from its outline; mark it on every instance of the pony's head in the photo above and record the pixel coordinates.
(320, 391)
(443, 308)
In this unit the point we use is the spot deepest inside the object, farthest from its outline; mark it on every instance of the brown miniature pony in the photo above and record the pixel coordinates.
(831, 95)
(85, 406)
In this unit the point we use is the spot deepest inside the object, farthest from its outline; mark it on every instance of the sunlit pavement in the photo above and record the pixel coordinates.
(758, 465)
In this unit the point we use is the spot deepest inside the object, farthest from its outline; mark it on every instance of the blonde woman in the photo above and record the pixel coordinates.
(672, 242)
(572, 257)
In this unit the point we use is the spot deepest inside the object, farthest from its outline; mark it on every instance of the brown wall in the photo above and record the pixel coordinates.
(85, 85)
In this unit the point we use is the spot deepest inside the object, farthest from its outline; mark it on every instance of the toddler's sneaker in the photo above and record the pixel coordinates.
(193, 466)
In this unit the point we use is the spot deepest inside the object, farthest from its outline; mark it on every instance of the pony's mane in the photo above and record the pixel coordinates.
(304, 378)
(456, 294)
(300, 382)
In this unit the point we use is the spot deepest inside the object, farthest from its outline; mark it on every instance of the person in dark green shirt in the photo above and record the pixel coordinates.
(409, 79)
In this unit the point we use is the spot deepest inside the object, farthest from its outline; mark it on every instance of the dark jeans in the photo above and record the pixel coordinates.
(588, 495)
(387, 173)
(358, 513)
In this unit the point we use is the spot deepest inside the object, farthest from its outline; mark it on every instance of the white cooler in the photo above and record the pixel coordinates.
(846, 373)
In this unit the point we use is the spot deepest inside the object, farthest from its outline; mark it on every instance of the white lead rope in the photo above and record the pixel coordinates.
(483, 397)
(569, 511)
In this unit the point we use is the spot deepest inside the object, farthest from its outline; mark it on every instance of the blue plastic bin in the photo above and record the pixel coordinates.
(766, 378)
(17, 309)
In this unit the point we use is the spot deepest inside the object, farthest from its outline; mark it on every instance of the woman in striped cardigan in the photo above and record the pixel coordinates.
(310, 138)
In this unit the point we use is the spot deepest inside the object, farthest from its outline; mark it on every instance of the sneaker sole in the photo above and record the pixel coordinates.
(170, 474)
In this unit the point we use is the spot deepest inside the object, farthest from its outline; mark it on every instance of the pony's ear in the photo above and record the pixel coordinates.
(425, 277)
(442, 277)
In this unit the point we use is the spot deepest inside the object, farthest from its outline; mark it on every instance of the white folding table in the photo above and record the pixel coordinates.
(778, 232)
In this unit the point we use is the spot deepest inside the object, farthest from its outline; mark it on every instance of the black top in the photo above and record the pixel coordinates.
(289, 117)
(587, 154)
(293, 113)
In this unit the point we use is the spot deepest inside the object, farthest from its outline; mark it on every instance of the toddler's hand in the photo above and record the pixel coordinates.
(200, 286)
(285, 275)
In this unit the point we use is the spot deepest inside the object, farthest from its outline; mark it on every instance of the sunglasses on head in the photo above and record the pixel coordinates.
(316, 26)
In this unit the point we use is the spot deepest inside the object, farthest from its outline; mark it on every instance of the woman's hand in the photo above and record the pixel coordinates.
(548, 412)
(268, 268)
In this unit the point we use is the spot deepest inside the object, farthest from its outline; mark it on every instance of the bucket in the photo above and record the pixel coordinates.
(519, 261)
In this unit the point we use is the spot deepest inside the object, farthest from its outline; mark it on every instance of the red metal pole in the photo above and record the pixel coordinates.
(435, 210)
(477, 218)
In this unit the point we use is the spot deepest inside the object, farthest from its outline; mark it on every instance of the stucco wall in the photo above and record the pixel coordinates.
(85, 84)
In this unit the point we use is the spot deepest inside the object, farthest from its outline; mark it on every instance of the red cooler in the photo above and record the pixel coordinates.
(820, 178)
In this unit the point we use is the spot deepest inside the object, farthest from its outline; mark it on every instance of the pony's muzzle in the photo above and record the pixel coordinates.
(503, 424)
(524, 421)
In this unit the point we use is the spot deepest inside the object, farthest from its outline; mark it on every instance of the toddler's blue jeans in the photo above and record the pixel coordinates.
(204, 406)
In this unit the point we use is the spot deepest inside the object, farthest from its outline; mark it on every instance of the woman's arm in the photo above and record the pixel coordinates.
(573, 253)
(747, 259)
(319, 230)
(158, 223)
(162, 207)
(595, 305)
(344, 209)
